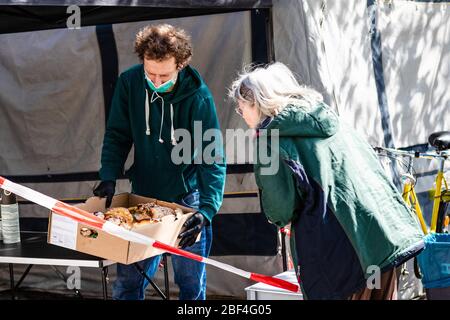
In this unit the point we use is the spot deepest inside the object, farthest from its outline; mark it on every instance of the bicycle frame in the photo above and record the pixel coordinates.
(437, 194)
(410, 197)
(409, 194)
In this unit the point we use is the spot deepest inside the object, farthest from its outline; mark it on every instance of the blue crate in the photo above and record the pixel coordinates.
(434, 261)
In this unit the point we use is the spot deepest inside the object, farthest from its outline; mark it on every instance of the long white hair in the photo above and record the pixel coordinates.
(272, 88)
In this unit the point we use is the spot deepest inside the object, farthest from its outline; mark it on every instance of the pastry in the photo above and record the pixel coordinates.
(120, 216)
(139, 215)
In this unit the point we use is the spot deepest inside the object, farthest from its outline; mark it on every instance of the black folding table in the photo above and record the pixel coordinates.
(34, 250)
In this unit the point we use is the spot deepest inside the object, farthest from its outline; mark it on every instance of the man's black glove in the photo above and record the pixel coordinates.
(193, 226)
(106, 189)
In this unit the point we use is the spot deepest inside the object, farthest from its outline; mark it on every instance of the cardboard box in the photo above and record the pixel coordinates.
(65, 232)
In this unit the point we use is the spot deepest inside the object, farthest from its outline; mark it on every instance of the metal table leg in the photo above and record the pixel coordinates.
(16, 287)
(64, 278)
(105, 282)
(142, 272)
(284, 251)
(11, 280)
(166, 276)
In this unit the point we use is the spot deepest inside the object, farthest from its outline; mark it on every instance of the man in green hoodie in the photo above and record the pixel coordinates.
(153, 100)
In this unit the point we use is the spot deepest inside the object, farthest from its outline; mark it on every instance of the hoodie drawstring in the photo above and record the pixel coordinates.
(147, 114)
(156, 96)
(172, 132)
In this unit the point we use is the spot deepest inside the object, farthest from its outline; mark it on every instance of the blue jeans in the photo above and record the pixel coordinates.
(190, 275)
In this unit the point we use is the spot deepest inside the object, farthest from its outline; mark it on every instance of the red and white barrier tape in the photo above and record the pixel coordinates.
(96, 222)
(286, 231)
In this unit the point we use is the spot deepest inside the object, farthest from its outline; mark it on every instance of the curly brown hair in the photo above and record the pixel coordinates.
(162, 41)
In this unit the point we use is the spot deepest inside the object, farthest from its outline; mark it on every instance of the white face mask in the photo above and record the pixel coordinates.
(163, 87)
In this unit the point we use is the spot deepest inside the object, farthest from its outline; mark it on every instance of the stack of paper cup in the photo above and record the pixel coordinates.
(10, 218)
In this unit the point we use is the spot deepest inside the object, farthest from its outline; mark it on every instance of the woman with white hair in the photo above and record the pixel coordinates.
(349, 225)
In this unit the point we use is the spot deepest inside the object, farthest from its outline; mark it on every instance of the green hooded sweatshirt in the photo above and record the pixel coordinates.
(150, 128)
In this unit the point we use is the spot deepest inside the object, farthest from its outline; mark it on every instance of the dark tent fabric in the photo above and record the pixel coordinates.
(149, 3)
(21, 16)
(243, 238)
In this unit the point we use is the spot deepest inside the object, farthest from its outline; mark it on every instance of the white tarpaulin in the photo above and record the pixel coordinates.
(329, 46)
(383, 65)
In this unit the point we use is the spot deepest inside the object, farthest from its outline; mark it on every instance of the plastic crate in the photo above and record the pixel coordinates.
(434, 261)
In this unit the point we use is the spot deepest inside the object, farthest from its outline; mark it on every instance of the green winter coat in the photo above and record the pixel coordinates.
(346, 215)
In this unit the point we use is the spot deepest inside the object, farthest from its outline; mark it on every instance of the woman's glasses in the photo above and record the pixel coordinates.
(238, 110)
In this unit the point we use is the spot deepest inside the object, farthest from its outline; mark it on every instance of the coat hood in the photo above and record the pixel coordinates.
(297, 121)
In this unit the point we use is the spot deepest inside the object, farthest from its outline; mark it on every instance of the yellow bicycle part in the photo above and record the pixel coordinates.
(410, 197)
(437, 200)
